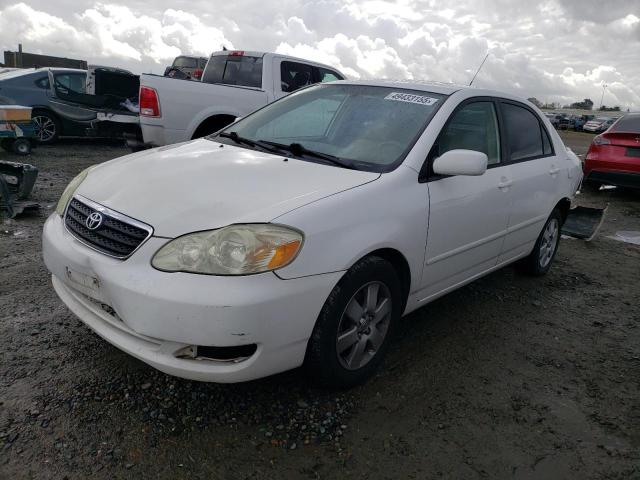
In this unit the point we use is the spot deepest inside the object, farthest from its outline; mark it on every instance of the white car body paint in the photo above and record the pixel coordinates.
(450, 231)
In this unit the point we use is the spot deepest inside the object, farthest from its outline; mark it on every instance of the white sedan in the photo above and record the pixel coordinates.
(301, 234)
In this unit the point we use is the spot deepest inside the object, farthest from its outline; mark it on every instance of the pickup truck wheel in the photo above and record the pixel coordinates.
(21, 146)
(352, 332)
(540, 259)
(47, 126)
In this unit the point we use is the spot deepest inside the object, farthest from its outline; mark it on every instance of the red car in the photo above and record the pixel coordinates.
(614, 156)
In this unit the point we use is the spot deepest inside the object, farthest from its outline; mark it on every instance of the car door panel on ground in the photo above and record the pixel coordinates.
(468, 215)
(535, 170)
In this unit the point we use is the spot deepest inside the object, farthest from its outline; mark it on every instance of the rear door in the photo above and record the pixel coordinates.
(535, 170)
(67, 88)
(468, 215)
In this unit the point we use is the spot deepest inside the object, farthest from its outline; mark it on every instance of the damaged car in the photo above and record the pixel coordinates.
(100, 102)
(302, 233)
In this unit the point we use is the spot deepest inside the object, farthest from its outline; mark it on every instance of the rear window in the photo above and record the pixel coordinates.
(628, 123)
(234, 70)
(185, 62)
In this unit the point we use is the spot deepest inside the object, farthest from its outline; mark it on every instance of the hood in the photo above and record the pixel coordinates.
(202, 185)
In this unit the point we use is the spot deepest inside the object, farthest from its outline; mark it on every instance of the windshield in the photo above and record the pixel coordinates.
(371, 127)
(186, 62)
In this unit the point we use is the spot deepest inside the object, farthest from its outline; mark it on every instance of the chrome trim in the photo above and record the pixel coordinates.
(113, 214)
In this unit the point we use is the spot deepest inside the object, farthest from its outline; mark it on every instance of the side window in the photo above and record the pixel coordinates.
(524, 133)
(73, 82)
(546, 142)
(42, 82)
(473, 127)
(325, 75)
(295, 75)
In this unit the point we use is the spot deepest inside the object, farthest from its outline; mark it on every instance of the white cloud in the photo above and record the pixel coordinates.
(553, 49)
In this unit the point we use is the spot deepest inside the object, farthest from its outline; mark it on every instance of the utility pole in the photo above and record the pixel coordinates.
(478, 71)
(604, 87)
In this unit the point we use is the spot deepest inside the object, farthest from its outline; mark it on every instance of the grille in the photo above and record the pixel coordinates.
(117, 236)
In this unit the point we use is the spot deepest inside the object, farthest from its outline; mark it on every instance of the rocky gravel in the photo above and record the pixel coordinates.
(509, 377)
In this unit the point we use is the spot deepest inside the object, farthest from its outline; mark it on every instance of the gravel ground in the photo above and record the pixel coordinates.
(509, 377)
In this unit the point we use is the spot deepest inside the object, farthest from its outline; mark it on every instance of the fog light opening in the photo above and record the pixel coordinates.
(233, 354)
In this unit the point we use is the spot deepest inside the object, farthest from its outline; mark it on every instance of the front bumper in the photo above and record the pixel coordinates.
(152, 315)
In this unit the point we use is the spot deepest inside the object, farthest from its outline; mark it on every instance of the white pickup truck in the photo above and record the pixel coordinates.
(234, 83)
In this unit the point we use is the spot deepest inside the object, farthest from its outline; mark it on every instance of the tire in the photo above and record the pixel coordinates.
(21, 146)
(364, 340)
(48, 127)
(540, 259)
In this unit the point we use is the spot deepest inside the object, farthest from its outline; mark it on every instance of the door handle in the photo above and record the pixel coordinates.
(504, 184)
(553, 170)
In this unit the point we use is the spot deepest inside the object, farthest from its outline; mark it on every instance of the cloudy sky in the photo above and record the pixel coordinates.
(555, 50)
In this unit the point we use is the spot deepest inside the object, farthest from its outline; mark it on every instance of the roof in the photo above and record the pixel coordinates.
(426, 86)
(27, 71)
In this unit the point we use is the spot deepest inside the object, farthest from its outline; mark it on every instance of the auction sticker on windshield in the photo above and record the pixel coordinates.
(408, 97)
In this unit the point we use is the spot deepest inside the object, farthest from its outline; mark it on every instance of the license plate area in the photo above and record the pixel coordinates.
(633, 152)
(87, 284)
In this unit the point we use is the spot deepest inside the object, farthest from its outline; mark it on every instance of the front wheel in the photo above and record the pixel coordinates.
(351, 334)
(540, 259)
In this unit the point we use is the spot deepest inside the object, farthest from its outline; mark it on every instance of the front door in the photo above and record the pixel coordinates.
(468, 214)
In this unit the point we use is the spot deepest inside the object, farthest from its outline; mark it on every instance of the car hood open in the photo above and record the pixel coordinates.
(202, 185)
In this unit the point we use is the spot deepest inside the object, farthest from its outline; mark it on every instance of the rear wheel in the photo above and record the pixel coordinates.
(47, 126)
(540, 259)
(351, 335)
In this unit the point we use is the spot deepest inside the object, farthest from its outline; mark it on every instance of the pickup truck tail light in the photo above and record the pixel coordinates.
(149, 104)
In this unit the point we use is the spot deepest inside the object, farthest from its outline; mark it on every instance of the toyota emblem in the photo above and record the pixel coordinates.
(93, 221)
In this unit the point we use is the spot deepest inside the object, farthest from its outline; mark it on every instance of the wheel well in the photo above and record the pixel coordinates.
(212, 125)
(401, 266)
(564, 206)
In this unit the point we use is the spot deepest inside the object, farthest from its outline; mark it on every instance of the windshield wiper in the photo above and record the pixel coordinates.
(247, 141)
(299, 150)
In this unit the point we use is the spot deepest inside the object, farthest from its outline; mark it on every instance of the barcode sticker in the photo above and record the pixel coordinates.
(410, 98)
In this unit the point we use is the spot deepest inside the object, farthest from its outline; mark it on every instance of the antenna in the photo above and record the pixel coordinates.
(478, 71)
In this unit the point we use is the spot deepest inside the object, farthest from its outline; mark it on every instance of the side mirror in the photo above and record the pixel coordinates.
(461, 162)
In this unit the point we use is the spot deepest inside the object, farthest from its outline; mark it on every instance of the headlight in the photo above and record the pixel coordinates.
(232, 250)
(70, 190)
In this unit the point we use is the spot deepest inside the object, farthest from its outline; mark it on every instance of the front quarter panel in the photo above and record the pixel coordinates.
(391, 212)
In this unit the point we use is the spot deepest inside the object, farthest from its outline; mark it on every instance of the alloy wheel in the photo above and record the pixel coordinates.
(549, 242)
(364, 325)
(45, 128)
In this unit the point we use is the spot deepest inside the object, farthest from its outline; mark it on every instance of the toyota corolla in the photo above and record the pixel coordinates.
(301, 234)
